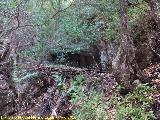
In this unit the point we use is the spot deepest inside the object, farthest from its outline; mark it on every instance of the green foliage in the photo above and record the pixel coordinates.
(134, 113)
(91, 107)
(60, 82)
(136, 9)
(110, 9)
(136, 105)
(76, 89)
(88, 105)
(64, 26)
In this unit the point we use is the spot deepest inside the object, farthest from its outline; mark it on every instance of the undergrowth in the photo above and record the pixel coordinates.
(91, 105)
(87, 105)
(136, 105)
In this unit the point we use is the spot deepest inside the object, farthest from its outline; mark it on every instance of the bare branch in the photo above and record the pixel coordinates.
(62, 10)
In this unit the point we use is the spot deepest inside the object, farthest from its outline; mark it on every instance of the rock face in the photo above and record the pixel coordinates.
(147, 41)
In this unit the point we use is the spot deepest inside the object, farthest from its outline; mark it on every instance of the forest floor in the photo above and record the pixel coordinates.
(63, 91)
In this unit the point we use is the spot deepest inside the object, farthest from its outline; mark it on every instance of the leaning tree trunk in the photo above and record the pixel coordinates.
(122, 64)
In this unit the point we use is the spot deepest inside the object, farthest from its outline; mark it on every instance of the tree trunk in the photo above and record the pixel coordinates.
(122, 64)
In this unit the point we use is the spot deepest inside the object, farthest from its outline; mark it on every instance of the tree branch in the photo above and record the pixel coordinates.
(62, 10)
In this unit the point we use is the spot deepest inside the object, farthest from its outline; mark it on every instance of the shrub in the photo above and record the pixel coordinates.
(88, 105)
(135, 106)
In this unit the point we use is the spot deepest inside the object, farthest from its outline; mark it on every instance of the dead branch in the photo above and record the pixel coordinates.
(62, 10)
(58, 68)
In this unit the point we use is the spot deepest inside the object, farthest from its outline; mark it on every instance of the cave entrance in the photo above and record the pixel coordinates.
(81, 59)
